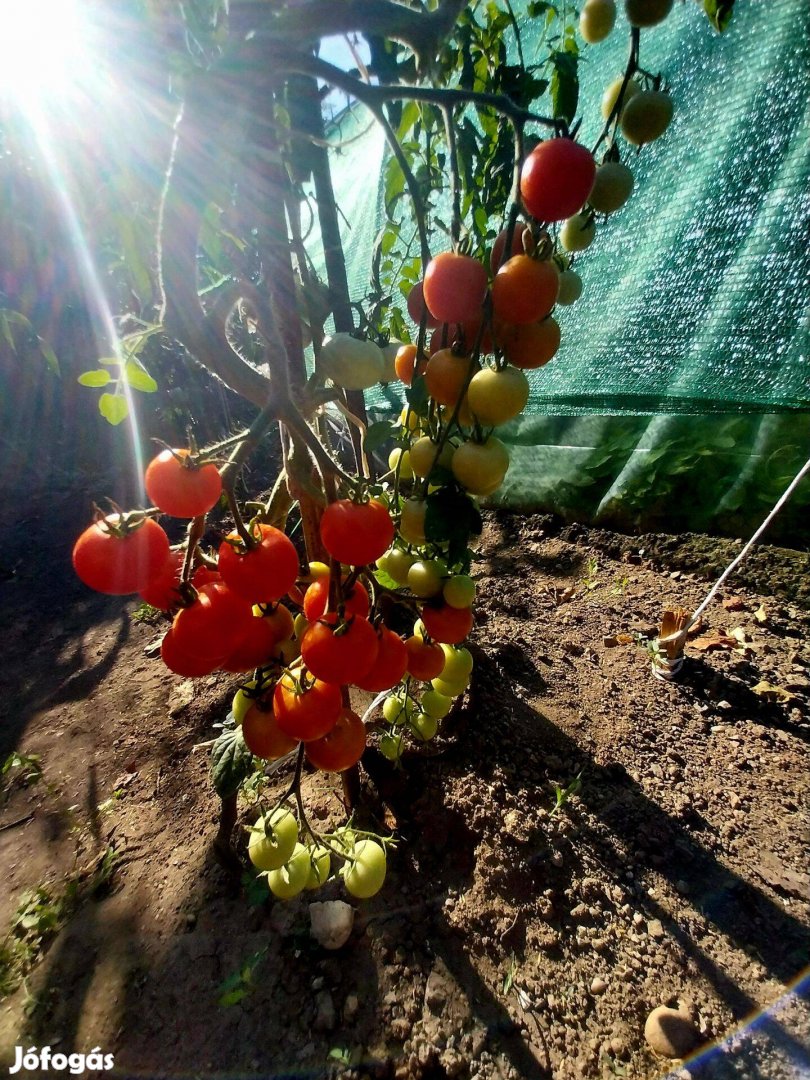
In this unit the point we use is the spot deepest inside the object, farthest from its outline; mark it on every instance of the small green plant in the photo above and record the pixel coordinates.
(620, 586)
(563, 794)
(28, 771)
(511, 972)
(591, 577)
(145, 613)
(242, 982)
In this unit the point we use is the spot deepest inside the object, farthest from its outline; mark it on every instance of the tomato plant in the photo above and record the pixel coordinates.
(368, 527)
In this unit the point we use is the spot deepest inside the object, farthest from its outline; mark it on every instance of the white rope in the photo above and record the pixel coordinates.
(680, 636)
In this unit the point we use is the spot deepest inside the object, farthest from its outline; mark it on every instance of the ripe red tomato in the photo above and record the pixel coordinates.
(447, 624)
(531, 345)
(342, 747)
(255, 648)
(339, 651)
(263, 736)
(417, 306)
(182, 663)
(390, 665)
(306, 711)
(123, 563)
(163, 592)
(556, 179)
(425, 658)
(455, 287)
(524, 290)
(316, 600)
(179, 487)
(356, 533)
(214, 624)
(496, 255)
(263, 574)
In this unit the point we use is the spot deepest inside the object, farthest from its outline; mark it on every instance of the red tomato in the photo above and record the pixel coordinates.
(531, 345)
(214, 624)
(339, 651)
(425, 658)
(121, 564)
(524, 290)
(182, 663)
(263, 736)
(307, 711)
(416, 306)
(447, 624)
(390, 665)
(356, 533)
(263, 574)
(556, 179)
(164, 592)
(316, 600)
(342, 747)
(255, 648)
(405, 364)
(455, 287)
(179, 487)
(496, 255)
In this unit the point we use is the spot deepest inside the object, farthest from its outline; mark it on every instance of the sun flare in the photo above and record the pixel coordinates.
(42, 49)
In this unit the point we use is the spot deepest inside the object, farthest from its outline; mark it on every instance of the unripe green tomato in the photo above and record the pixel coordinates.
(391, 746)
(291, 878)
(611, 95)
(396, 563)
(351, 363)
(449, 689)
(612, 187)
(269, 852)
(398, 710)
(300, 625)
(318, 570)
(495, 397)
(401, 459)
(364, 873)
(436, 704)
(570, 287)
(425, 726)
(288, 650)
(596, 20)
(481, 467)
(646, 117)
(423, 455)
(425, 577)
(412, 521)
(647, 12)
(458, 663)
(320, 864)
(409, 419)
(459, 591)
(577, 232)
(242, 702)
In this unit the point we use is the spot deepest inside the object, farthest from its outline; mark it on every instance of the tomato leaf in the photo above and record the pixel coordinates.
(49, 356)
(452, 518)
(94, 378)
(231, 762)
(378, 434)
(719, 13)
(417, 396)
(564, 85)
(139, 378)
(113, 408)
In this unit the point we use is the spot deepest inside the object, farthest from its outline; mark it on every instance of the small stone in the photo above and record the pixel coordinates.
(331, 923)
(324, 1011)
(435, 992)
(670, 1032)
(598, 986)
(579, 912)
(351, 1007)
(181, 697)
(655, 929)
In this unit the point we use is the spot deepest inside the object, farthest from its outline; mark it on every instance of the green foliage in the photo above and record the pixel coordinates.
(231, 762)
(453, 518)
(19, 769)
(242, 982)
(127, 373)
(14, 326)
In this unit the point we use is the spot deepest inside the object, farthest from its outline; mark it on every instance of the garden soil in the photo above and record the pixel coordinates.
(511, 939)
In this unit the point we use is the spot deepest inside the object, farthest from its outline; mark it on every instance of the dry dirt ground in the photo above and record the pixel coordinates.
(509, 941)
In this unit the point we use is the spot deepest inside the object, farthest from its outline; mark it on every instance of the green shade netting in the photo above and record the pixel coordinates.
(697, 293)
